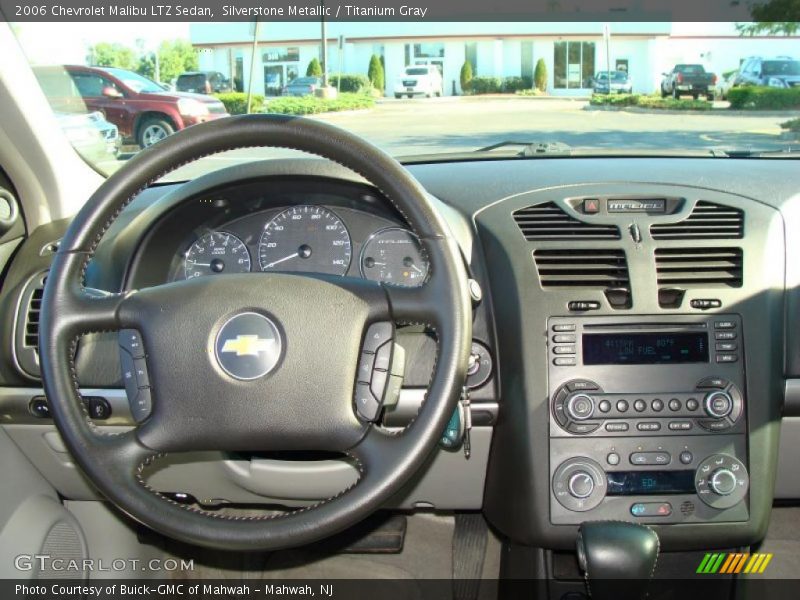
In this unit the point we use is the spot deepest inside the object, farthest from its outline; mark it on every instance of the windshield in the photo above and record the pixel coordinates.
(532, 83)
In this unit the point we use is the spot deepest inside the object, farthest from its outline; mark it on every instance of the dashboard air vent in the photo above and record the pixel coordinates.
(594, 268)
(549, 222)
(699, 267)
(707, 221)
(26, 338)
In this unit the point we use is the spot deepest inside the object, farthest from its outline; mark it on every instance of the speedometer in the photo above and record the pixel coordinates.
(216, 252)
(308, 239)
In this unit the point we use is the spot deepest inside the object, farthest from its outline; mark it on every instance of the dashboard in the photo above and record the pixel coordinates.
(634, 351)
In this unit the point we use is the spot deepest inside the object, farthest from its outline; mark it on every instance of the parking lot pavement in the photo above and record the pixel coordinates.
(452, 124)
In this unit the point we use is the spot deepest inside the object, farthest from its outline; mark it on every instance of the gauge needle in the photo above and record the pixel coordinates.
(285, 258)
(416, 268)
(197, 264)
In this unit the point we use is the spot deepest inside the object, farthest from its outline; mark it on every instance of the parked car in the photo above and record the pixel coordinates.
(90, 134)
(726, 83)
(689, 80)
(203, 82)
(779, 72)
(419, 80)
(142, 109)
(620, 82)
(302, 86)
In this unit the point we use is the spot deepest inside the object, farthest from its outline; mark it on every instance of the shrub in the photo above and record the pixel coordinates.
(515, 84)
(466, 75)
(486, 85)
(236, 102)
(792, 125)
(314, 68)
(764, 98)
(375, 73)
(350, 83)
(654, 102)
(310, 105)
(530, 92)
(540, 76)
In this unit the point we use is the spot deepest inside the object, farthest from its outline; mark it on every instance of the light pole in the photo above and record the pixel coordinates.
(253, 55)
(324, 56)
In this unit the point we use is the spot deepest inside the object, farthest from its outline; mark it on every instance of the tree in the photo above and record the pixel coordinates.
(375, 73)
(767, 18)
(466, 75)
(111, 55)
(175, 58)
(540, 76)
(314, 69)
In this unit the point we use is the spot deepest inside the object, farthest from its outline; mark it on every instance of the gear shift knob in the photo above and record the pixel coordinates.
(617, 558)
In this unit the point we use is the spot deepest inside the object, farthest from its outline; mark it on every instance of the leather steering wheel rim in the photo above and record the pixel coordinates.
(114, 462)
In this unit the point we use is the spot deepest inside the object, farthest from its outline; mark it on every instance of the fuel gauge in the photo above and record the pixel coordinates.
(394, 255)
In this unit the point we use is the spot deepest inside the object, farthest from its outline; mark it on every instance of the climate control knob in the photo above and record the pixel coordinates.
(722, 482)
(580, 407)
(581, 485)
(718, 404)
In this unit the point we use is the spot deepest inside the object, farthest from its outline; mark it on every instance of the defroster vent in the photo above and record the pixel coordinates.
(549, 222)
(707, 221)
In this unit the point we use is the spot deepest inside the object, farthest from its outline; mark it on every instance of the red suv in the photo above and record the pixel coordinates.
(140, 108)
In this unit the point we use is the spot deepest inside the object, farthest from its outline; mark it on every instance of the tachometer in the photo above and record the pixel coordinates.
(309, 239)
(216, 252)
(394, 255)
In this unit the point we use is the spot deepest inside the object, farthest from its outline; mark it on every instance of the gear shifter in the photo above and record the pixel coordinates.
(617, 558)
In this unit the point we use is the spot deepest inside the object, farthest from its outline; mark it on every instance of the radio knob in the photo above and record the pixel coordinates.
(722, 482)
(581, 485)
(718, 404)
(580, 407)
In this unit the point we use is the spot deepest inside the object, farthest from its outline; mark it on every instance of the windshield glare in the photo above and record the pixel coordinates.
(426, 92)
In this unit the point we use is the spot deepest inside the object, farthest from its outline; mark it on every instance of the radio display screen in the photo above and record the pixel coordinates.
(642, 483)
(644, 348)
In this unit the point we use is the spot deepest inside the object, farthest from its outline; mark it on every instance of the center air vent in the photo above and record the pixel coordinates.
(26, 338)
(603, 269)
(699, 267)
(549, 222)
(707, 221)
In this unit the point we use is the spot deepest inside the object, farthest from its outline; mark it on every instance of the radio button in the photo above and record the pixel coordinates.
(680, 426)
(657, 405)
(727, 358)
(564, 349)
(564, 361)
(726, 347)
(725, 325)
(715, 425)
(604, 406)
(650, 458)
(583, 427)
(686, 457)
(651, 509)
(564, 327)
(674, 404)
(718, 404)
(724, 335)
(692, 404)
(580, 385)
(639, 405)
(622, 406)
(580, 407)
(713, 382)
(648, 426)
(616, 427)
(564, 338)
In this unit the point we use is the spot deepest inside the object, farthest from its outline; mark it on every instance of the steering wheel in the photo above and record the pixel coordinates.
(295, 388)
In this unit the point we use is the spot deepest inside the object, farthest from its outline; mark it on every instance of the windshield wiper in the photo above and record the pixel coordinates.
(787, 152)
(531, 148)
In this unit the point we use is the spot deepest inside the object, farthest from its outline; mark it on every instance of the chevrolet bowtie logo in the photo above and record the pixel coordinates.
(247, 345)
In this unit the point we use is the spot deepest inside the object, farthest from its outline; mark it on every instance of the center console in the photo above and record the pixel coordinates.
(648, 419)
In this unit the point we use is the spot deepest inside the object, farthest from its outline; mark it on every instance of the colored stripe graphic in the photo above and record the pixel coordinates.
(703, 563)
(727, 564)
(734, 562)
(740, 564)
(767, 558)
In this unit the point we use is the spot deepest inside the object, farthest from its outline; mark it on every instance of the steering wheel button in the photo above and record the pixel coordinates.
(377, 335)
(378, 384)
(140, 368)
(131, 341)
(393, 389)
(365, 365)
(383, 357)
(366, 404)
(142, 404)
(128, 373)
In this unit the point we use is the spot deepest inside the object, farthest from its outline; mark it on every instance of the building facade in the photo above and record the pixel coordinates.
(572, 52)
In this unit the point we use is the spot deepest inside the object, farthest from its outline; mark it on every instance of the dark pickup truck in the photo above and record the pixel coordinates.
(689, 80)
